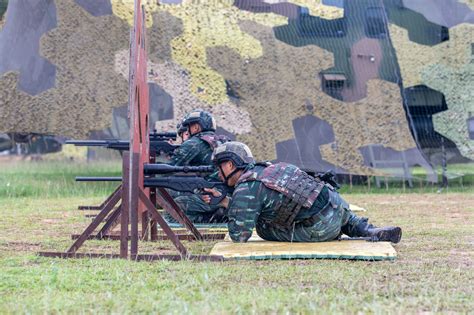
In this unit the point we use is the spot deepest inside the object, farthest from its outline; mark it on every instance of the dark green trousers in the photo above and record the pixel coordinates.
(329, 222)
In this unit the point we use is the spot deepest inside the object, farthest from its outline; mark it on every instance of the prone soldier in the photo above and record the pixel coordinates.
(284, 203)
(195, 151)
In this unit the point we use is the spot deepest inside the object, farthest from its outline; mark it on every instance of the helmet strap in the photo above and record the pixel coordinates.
(226, 178)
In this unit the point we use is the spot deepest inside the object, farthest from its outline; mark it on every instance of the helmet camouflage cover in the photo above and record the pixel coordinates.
(237, 152)
(202, 117)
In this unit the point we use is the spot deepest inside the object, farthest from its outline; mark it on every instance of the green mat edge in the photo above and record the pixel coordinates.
(297, 256)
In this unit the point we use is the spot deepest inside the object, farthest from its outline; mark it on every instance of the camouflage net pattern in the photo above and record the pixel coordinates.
(3, 9)
(413, 57)
(87, 86)
(470, 3)
(321, 84)
(316, 8)
(447, 67)
(452, 123)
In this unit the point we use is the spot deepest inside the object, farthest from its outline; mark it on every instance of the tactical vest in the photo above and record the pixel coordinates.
(212, 139)
(299, 188)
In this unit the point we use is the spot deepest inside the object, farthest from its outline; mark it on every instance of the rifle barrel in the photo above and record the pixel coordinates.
(156, 144)
(89, 143)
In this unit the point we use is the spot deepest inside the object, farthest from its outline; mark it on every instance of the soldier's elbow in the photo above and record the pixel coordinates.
(240, 238)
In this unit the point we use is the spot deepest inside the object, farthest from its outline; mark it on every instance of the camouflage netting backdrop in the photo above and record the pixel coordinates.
(361, 87)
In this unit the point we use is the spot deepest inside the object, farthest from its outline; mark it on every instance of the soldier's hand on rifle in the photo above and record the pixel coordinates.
(214, 192)
(171, 141)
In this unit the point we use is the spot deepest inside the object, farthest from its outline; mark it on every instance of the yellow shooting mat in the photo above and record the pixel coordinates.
(258, 249)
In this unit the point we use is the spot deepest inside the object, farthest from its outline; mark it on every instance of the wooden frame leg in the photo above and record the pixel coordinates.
(164, 225)
(164, 199)
(97, 221)
(112, 222)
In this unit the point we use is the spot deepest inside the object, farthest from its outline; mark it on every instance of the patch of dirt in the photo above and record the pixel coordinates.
(17, 246)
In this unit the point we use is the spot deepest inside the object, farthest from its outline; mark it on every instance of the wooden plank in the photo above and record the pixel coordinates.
(153, 224)
(125, 206)
(143, 257)
(133, 202)
(77, 255)
(158, 237)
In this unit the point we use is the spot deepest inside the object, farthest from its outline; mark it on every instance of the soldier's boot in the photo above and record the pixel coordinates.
(384, 234)
(360, 227)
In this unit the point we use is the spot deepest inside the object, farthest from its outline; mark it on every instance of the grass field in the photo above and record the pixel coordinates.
(38, 202)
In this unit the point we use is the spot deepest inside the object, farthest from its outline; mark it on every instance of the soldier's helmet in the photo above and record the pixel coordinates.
(180, 129)
(234, 151)
(202, 117)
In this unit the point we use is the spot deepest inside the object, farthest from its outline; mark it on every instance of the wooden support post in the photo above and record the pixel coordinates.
(125, 206)
(153, 223)
(133, 202)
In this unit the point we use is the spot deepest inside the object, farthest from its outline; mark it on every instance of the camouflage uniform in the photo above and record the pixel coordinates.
(255, 205)
(196, 151)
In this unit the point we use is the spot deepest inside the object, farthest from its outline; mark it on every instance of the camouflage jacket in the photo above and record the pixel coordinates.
(194, 151)
(253, 204)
